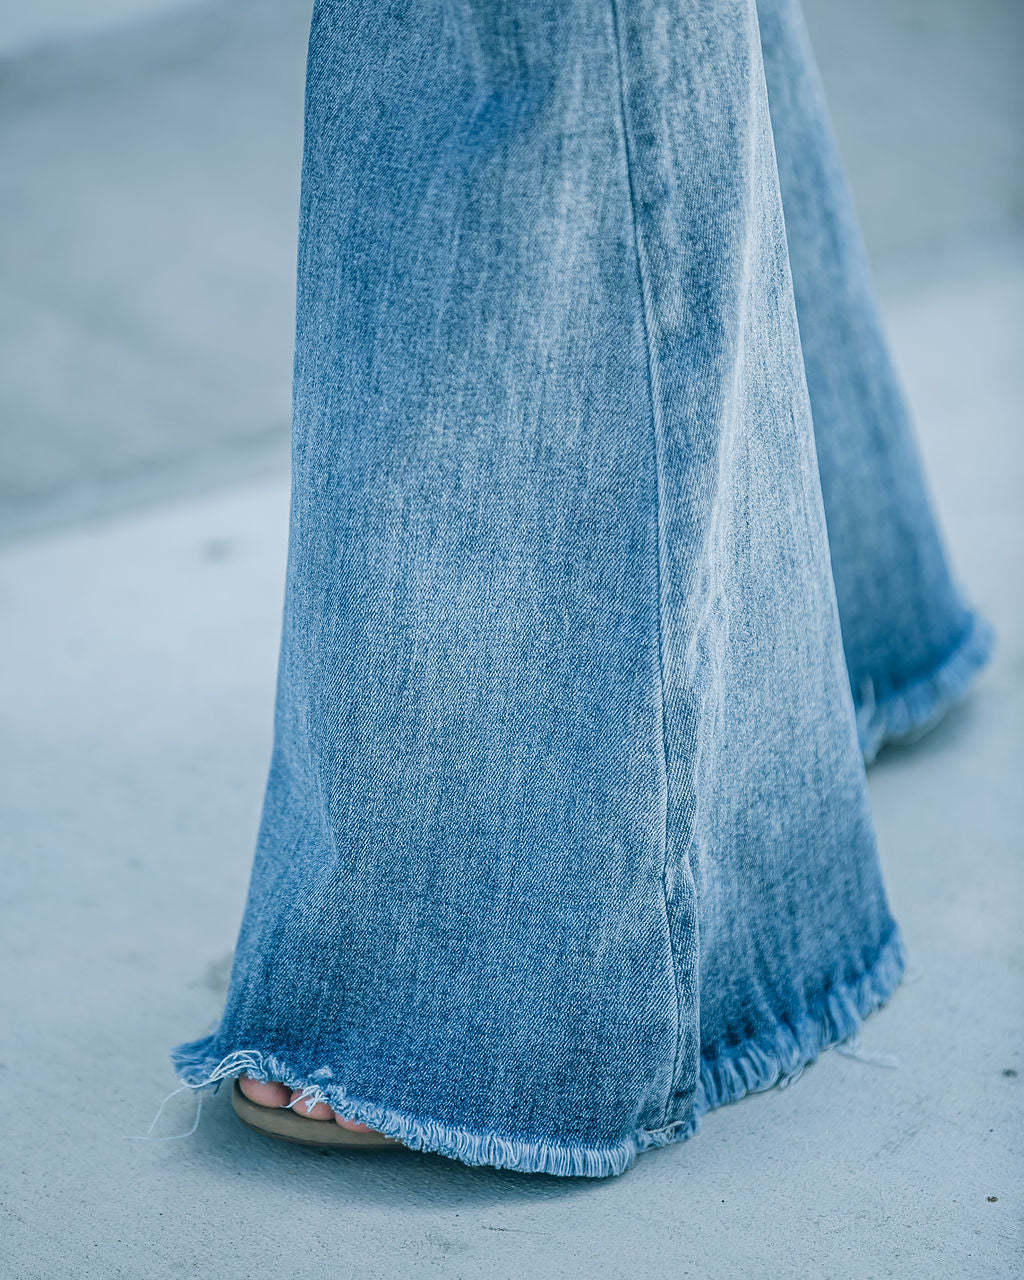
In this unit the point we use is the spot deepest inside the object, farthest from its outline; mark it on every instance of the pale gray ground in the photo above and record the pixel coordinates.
(146, 272)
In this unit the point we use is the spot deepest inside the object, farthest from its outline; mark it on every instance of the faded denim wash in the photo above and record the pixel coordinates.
(566, 838)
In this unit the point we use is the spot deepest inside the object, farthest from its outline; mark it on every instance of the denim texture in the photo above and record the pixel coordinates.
(566, 837)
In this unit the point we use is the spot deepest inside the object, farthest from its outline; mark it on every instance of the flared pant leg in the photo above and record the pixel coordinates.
(912, 644)
(566, 836)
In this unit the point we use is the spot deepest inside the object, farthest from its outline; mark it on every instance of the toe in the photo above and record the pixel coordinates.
(352, 1126)
(316, 1111)
(265, 1093)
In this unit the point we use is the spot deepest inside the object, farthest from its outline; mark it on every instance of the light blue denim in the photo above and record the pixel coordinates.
(566, 838)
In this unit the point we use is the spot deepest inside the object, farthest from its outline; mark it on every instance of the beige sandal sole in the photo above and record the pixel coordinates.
(285, 1124)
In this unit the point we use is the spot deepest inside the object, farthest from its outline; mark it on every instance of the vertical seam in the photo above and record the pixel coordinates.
(658, 437)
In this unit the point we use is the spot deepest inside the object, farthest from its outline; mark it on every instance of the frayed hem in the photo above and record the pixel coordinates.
(199, 1067)
(777, 1058)
(912, 710)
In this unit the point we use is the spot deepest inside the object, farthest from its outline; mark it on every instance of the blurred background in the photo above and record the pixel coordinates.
(149, 166)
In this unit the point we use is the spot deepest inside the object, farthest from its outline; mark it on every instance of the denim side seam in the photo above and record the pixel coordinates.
(916, 707)
(775, 1057)
(659, 469)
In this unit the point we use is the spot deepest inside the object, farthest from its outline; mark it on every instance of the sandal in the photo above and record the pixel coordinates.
(286, 1124)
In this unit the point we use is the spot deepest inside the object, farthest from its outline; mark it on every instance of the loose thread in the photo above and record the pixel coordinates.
(852, 1049)
(173, 1137)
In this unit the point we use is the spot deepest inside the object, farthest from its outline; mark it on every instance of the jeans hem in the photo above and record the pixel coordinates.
(775, 1058)
(779, 1055)
(913, 709)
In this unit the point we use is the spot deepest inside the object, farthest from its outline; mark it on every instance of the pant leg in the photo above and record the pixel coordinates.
(912, 644)
(566, 836)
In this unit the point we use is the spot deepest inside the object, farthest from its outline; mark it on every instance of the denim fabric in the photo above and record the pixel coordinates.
(911, 643)
(566, 837)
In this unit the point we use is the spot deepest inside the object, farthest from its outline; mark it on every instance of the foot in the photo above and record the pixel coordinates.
(271, 1093)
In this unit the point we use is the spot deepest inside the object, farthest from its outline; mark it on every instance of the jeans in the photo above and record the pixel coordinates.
(610, 563)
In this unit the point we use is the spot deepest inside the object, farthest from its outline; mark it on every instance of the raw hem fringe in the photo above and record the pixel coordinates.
(917, 707)
(775, 1058)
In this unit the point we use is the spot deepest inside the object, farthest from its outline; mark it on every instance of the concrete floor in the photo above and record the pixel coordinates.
(137, 675)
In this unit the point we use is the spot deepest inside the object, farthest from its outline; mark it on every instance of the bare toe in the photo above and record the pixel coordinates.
(265, 1093)
(316, 1111)
(352, 1126)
